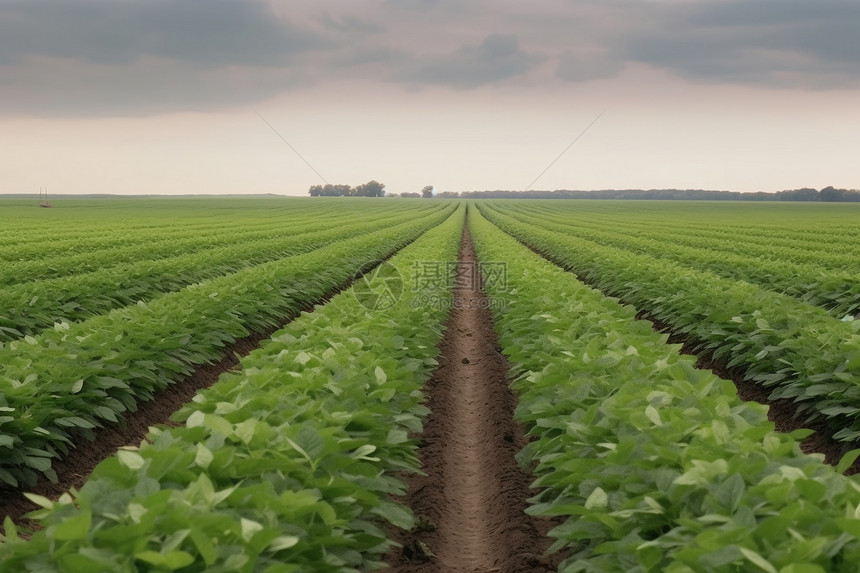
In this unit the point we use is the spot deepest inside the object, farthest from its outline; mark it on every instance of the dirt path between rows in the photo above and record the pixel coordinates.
(470, 505)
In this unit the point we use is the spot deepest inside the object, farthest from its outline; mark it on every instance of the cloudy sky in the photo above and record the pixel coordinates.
(173, 96)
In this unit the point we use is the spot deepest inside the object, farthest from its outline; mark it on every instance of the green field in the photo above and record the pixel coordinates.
(294, 460)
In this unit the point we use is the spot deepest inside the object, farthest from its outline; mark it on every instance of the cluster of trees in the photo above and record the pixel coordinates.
(369, 189)
(427, 193)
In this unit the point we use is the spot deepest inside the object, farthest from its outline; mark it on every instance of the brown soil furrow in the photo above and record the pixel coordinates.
(470, 506)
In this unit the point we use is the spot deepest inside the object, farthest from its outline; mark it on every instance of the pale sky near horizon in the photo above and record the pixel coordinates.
(162, 96)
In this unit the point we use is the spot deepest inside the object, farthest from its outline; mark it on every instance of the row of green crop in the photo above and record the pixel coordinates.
(100, 225)
(284, 467)
(111, 237)
(67, 381)
(652, 464)
(50, 265)
(103, 228)
(824, 247)
(794, 349)
(36, 245)
(827, 251)
(834, 228)
(26, 309)
(837, 291)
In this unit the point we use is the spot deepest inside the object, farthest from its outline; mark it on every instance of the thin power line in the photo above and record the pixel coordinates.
(569, 145)
(291, 147)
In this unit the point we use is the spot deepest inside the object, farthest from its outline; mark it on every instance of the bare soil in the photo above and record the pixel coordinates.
(470, 506)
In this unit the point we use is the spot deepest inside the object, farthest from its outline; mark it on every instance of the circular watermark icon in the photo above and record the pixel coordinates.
(380, 288)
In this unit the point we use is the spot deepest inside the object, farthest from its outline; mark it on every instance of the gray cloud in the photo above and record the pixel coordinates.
(349, 24)
(783, 43)
(585, 65)
(208, 32)
(134, 57)
(151, 86)
(497, 58)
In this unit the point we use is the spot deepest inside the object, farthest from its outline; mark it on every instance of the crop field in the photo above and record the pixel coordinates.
(348, 385)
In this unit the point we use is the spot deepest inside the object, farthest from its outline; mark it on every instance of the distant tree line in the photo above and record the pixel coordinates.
(376, 189)
(828, 194)
(427, 193)
(369, 189)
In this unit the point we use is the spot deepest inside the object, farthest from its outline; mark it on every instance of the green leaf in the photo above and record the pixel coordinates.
(653, 415)
(381, 377)
(396, 514)
(847, 460)
(801, 434)
(597, 499)
(130, 458)
(757, 560)
(39, 500)
(172, 561)
(283, 542)
(195, 419)
(8, 478)
(249, 528)
(10, 529)
(74, 527)
(363, 453)
(204, 546)
(218, 424)
(203, 457)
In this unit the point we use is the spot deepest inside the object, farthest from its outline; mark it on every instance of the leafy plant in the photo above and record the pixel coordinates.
(27, 308)
(653, 464)
(794, 349)
(288, 465)
(65, 382)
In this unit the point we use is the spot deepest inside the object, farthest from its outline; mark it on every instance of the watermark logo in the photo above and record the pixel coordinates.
(379, 289)
(433, 282)
(441, 302)
(444, 276)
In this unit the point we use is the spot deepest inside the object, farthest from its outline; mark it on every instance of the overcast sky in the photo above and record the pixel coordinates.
(163, 96)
